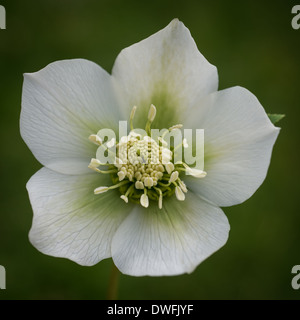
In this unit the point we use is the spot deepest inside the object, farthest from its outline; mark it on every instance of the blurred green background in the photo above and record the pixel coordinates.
(253, 45)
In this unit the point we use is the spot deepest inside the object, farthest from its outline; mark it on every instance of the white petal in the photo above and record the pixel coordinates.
(69, 220)
(239, 138)
(166, 70)
(169, 241)
(62, 105)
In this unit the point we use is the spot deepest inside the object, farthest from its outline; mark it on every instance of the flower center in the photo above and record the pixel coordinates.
(144, 169)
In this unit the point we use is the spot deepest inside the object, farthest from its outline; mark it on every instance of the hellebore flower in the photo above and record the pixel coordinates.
(152, 219)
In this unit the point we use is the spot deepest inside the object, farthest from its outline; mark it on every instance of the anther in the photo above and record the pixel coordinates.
(100, 190)
(151, 113)
(151, 116)
(179, 194)
(169, 167)
(160, 199)
(132, 114)
(174, 176)
(95, 139)
(95, 163)
(124, 198)
(182, 186)
(139, 185)
(148, 182)
(121, 175)
(144, 200)
(194, 172)
(176, 126)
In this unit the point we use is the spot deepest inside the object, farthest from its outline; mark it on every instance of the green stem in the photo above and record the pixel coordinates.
(112, 291)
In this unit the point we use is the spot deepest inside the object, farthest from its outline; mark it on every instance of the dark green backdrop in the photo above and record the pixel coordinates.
(253, 45)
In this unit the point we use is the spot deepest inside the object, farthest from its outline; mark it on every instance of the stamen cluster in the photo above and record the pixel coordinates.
(143, 169)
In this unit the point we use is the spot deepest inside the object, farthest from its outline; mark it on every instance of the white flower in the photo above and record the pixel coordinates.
(145, 230)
